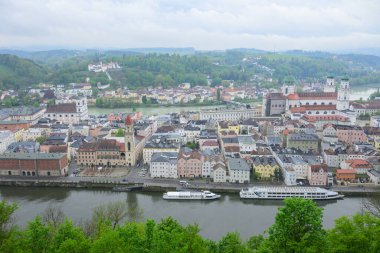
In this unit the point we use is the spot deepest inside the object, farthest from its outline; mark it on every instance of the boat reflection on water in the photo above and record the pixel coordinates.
(279, 202)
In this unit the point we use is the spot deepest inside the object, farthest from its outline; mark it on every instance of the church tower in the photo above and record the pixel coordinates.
(343, 102)
(330, 84)
(129, 142)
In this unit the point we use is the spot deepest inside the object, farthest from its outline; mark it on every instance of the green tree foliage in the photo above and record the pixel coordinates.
(374, 95)
(359, 234)
(119, 133)
(40, 139)
(298, 226)
(297, 229)
(192, 145)
(8, 231)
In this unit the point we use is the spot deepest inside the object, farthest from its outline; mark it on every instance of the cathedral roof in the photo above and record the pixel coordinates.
(317, 95)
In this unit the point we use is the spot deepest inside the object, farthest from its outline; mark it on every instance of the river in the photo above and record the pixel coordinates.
(215, 218)
(149, 111)
(357, 92)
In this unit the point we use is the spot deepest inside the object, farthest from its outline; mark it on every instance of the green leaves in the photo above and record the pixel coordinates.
(297, 229)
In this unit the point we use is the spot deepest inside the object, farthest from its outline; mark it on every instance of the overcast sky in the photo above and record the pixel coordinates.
(202, 24)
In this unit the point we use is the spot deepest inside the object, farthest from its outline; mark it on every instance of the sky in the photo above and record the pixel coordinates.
(202, 24)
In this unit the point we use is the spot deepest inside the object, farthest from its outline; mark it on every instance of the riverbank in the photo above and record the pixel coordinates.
(137, 106)
(109, 184)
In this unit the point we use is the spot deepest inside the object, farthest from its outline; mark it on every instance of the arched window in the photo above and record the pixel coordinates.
(317, 112)
(307, 103)
(323, 103)
(325, 112)
(129, 146)
(315, 103)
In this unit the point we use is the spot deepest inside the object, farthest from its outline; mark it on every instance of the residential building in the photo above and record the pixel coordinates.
(239, 171)
(189, 163)
(346, 175)
(233, 114)
(160, 143)
(164, 165)
(374, 176)
(6, 138)
(219, 173)
(360, 166)
(265, 166)
(304, 142)
(208, 164)
(317, 175)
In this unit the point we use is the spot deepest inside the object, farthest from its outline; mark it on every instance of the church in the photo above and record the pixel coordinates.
(330, 101)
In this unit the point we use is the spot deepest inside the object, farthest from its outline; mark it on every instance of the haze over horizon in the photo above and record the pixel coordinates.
(205, 25)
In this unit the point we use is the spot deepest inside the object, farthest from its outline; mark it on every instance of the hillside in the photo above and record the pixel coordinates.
(17, 72)
(142, 70)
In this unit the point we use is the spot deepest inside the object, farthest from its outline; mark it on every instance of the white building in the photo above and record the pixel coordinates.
(64, 113)
(164, 164)
(209, 163)
(219, 173)
(227, 114)
(192, 133)
(80, 105)
(246, 143)
(6, 138)
(32, 134)
(239, 171)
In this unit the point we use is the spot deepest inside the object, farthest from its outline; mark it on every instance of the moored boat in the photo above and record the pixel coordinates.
(282, 192)
(191, 195)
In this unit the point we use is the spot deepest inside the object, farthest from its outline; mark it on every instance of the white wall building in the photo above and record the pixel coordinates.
(6, 138)
(239, 171)
(164, 164)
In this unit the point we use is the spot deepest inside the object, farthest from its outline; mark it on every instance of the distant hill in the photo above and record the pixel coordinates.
(16, 72)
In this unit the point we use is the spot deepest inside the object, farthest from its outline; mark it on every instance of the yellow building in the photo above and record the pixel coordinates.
(228, 126)
(265, 166)
(19, 135)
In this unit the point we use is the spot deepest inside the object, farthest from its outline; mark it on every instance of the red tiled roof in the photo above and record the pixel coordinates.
(62, 108)
(293, 96)
(317, 95)
(345, 171)
(359, 163)
(315, 118)
(232, 149)
(210, 143)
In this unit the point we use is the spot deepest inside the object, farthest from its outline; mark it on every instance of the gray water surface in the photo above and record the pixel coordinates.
(215, 218)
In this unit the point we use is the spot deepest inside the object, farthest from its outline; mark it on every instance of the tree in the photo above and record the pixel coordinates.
(40, 139)
(7, 228)
(231, 243)
(119, 133)
(298, 226)
(361, 233)
(37, 236)
(218, 95)
(69, 238)
(53, 216)
(144, 100)
(278, 174)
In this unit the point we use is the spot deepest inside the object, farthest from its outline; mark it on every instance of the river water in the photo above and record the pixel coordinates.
(215, 218)
(357, 92)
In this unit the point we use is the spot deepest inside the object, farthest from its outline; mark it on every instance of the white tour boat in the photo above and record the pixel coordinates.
(283, 192)
(191, 195)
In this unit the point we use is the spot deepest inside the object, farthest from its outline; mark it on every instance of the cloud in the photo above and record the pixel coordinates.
(212, 24)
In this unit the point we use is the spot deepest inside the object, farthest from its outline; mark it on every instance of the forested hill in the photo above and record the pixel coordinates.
(17, 72)
(142, 70)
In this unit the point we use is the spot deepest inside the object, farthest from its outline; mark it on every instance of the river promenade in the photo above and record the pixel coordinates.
(161, 185)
